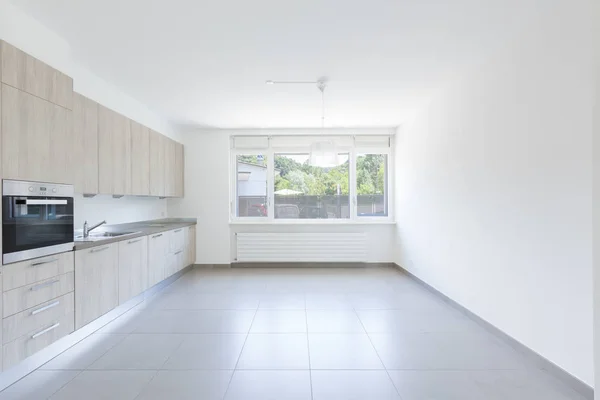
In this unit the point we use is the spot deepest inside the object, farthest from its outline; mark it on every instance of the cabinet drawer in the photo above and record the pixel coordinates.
(30, 271)
(28, 296)
(26, 345)
(36, 318)
(177, 237)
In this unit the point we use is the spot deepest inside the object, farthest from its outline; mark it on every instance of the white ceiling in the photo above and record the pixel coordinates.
(205, 62)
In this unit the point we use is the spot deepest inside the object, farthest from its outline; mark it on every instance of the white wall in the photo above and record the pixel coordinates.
(494, 190)
(207, 185)
(117, 211)
(596, 197)
(29, 35)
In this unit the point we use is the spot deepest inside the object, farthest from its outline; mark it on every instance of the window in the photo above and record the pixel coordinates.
(251, 186)
(303, 191)
(371, 185)
(274, 181)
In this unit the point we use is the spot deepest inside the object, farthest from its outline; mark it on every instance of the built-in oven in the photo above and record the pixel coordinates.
(37, 220)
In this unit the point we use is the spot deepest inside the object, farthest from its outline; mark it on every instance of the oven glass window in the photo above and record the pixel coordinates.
(34, 222)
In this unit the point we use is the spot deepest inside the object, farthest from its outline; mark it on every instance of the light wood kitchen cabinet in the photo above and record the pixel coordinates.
(158, 251)
(170, 172)
(96, 282)
(140, 159)
(38, 269)
(179, 170)
(85, 132)
(133, 268)
(190, 245)
(30, 75)
(114, 153)
(157, 164)
(37, 138)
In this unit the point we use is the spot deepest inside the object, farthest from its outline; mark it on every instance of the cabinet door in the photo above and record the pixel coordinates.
(28, 74)
(140, 159)
(133, 268)
(96, 282)
(170, 156)
(191, 246)
(36, 138)
(114, 152)
(179, 170)
(85, 132)
(158, 249)
(157, 164)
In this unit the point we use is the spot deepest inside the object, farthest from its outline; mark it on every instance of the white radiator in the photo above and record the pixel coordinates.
(301, 247)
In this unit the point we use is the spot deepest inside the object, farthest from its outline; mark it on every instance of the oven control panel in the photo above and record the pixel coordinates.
(22, 188)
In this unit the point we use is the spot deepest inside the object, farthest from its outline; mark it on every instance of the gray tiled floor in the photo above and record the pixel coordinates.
(291, 334)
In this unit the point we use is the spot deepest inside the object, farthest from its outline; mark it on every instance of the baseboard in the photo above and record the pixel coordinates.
(212, 266)
(40, 358)
(540, 361)
(306, 265)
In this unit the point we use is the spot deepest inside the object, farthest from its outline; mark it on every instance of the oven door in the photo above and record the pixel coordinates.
(35, 226)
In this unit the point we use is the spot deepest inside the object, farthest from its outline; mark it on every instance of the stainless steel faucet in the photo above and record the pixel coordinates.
(87, 230)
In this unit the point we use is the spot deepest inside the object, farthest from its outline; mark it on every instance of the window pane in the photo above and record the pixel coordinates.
(251, 186)
(304, 191)
(371, 185)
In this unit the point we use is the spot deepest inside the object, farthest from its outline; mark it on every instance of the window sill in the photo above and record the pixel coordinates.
(314, 222)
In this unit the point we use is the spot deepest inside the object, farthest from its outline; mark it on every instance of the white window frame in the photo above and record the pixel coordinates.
(353, 152)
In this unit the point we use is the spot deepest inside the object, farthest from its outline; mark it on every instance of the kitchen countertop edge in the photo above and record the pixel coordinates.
(145, 228)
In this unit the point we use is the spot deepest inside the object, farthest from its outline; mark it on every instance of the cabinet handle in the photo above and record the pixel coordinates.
(43, 285)
(180, 251)
(35, 264)
(178, 230)
(97, 250)
(47, 307)
(133, 241)
(155, 236)
(48, 329)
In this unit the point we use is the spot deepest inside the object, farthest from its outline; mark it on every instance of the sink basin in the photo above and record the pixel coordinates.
(104, 235)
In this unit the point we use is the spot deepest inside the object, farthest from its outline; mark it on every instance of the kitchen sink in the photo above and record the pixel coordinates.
(111, 234)
(104, 235)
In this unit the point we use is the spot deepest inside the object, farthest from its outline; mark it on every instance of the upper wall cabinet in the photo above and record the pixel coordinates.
(158, 144)
(140, 159)
(114, 153)
(26, 73)
(170, 172)
(85, 132)
(179, 170)
(37, 138)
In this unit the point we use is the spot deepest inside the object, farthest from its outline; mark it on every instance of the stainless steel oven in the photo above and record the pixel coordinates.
(37, 220)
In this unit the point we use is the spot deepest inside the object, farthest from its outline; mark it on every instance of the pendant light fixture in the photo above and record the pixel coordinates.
(323, 152)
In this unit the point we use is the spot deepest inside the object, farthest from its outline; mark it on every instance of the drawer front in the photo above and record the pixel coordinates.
(36, 318)
(26, 345)
(29, 296)
(31, 271)
(177, 239)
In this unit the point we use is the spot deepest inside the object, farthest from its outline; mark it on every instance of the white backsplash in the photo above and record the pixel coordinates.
(117, 211)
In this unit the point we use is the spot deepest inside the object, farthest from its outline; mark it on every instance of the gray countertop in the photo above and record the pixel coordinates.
(142, 228)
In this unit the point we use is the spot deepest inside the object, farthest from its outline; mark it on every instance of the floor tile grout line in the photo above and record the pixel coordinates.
(241, 351)
(60, 388)
(378, 356)
(160, 368)
(308, 348)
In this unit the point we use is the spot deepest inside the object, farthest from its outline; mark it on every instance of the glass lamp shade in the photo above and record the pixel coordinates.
(323, 154)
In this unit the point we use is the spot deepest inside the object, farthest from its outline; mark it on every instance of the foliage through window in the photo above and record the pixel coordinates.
(309, 192)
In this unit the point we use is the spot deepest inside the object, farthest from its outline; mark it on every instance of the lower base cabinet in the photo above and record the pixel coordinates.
(33, 342)
(158, 250)
(96, 282)
(133, 268)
